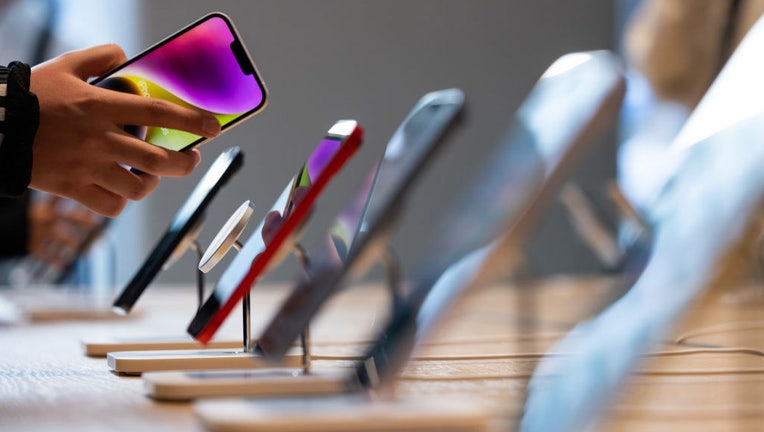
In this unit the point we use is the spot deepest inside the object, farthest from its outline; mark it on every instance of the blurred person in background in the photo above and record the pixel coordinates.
(674, 49)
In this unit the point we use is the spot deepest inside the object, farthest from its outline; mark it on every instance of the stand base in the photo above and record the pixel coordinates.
(45, 304)
(137, 362)
(73, 313)
(187, 385)
(341, 413)
(101, 347)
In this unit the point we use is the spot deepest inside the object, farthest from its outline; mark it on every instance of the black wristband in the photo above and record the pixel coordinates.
(14, 226)
(20, 113)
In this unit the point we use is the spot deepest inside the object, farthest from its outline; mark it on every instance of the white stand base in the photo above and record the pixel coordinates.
(101, 347)
(45, 303)
(187, 385)
(341, 413)
(137, 362)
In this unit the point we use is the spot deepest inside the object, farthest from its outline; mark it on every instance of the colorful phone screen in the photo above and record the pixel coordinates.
(204, 66)
(269, 242)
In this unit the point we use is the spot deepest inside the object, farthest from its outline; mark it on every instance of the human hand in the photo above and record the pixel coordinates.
(80, 142)
(57, 232)
(274, 219)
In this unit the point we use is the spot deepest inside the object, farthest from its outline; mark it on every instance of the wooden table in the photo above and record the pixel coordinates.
(486, 351)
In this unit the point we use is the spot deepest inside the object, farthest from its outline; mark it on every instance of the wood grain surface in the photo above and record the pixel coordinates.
(702, 377)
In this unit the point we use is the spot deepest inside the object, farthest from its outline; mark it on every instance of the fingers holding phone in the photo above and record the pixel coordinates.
(80, 142)
(95, 61)
(131, 109)
(204, 67)
(169, 99)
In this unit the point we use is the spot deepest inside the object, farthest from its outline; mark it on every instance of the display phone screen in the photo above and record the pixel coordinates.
(189, 214)
(364, 220)
(204, 66)
(417, 138)
(574, 102)
(274, 236)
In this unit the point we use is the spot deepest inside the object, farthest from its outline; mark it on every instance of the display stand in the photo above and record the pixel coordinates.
(241, 357)
(199, 275)
(393, 271)
(302, 256)
(285, 381)
(346, 412)
(619, 247)
(101, 347)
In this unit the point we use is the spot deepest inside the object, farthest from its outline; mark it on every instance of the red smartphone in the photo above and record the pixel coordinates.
(275, 235)
(204, 66)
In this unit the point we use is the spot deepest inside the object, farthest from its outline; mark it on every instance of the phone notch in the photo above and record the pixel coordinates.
(245, 64)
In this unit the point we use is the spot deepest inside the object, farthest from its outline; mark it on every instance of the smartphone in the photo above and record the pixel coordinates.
(424, 131)
(573, 104)
(413, 145)
(204, 66)
(275, 235)
(186, 219)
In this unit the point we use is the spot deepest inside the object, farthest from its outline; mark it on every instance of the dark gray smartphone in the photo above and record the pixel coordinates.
(409, 150)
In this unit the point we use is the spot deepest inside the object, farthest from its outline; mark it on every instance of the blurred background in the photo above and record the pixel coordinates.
(366, 60)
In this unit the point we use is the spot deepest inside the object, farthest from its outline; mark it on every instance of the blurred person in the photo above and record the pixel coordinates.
(681, 45)
(674, 50)
(678, 48)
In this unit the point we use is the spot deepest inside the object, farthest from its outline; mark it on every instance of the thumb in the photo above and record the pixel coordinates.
(96, 61)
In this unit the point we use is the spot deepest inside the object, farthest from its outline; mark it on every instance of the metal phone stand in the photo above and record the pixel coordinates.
(620, 247)
(102, 346)
(199, 274)
(246, 312)
(227, 239)
(190, 241)
(392, 266)
(173, 385)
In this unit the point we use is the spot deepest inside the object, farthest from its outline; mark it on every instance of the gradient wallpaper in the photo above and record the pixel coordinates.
(196, 69)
